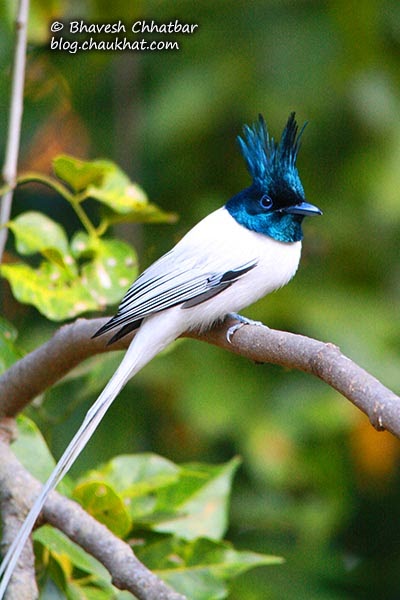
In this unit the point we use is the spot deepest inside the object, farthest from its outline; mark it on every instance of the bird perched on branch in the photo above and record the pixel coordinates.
(234, 256)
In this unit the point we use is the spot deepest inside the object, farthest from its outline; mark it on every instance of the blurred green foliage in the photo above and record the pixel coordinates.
(174, 516)
(317, 485)
(91, 272)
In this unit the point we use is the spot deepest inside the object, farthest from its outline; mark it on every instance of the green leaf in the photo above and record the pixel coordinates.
(34, 232)
(82, 246)
(109, 267)
(148, 213)
(63, 572)
(31, 449)
(116, 190)
(104, 181)
(9, 353)
(94, 272)
(137, 479)
(199, 569)
(90, 592)
(50, 289)
(58, 543)
(189, 501)
(110, 272)
(78, 174)
(200, 501)
(55, 586)
(104, 504)
(137, 474)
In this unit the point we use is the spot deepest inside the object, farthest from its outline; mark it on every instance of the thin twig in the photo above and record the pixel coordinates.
(14, 125)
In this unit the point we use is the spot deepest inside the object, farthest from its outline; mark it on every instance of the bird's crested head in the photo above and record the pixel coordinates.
(275, 202)
(272, 165)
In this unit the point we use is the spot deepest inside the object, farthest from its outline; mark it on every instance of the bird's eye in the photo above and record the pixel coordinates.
(265, 201)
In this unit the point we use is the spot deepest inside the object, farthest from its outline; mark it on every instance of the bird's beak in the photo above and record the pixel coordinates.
(303, 208)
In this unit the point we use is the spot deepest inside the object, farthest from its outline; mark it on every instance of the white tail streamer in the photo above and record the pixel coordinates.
(151, 338)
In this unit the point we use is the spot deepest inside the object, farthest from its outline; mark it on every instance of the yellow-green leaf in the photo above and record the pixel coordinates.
(117, 191)
(35, 232)
(111, 270)
(49, 289)
(199, 499)
(137, 474)
(31, 449)
(138, 479)
(147, 213)
(104, 504)
(105, 182)
(9, 353)
(199, 569)
(78, 174)
(60, 545)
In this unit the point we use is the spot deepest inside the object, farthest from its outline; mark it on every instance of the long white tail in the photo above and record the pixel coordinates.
(151, 338)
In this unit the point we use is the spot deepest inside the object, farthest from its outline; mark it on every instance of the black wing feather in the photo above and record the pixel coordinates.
(149, 295)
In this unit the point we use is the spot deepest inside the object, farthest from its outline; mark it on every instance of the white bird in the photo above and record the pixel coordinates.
(233, 257)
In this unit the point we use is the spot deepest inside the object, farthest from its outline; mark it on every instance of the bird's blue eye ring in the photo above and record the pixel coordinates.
(265, 201)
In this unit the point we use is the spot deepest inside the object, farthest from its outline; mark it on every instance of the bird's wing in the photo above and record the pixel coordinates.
(164, 285)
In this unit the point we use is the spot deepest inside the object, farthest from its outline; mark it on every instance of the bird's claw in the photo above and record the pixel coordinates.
(242, 321)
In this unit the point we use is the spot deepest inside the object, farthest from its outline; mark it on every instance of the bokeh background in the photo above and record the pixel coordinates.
(318, 485)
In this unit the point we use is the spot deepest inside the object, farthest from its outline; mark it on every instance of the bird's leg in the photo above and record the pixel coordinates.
(242, 321)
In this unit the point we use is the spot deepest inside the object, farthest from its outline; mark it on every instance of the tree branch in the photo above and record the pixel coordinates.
(18, 487)
(13, 509)
(72, 344)
(324, 360)
(14, 126)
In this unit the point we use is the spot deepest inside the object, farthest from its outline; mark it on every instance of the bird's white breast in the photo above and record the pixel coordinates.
(225, 245)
